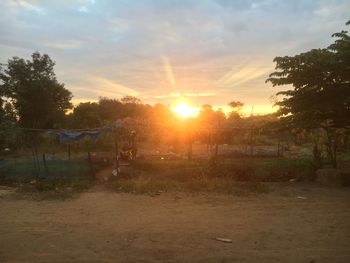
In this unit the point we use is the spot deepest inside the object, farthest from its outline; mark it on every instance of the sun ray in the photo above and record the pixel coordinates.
(184, 110)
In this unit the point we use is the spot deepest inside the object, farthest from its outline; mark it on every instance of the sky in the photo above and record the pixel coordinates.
(207, 51)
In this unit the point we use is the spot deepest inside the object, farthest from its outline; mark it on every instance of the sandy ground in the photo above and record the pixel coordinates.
(101, 226)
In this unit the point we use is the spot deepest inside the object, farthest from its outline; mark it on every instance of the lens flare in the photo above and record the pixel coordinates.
(184, 110)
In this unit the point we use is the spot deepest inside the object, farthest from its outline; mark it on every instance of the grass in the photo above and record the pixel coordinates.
(183, 181)
(239, 176)
(59, 176)
(241, 169)
(231, 176)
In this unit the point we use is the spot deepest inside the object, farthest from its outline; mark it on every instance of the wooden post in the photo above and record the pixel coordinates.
(36, 155)
(91, 166)
(133, 145)
(207, 141)
(251, 142)
(210, 143)
(116, 149)
(216, 151)
(190, 147)
(45, 164)
(68, 149)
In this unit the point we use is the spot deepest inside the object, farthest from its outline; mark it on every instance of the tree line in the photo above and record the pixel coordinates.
(32, 97)
(318, 104)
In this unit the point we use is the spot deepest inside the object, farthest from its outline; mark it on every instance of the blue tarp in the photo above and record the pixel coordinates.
(77, 135)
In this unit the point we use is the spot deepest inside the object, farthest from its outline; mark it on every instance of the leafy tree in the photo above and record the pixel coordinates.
(320, 97)
(130, 100)
(39, 100)
(236, 105)
(110, 109)
(162, 115)
(236, 108)
(7, 125)
(206, 115)
(132, 107)
(86, 115)
(209, 118)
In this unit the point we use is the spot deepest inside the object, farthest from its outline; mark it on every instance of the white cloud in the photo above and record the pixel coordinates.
(83, 9)
(154, 49)
(65, 44)
(25, 5)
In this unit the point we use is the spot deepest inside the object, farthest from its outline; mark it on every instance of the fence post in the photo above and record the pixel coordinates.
(68, 149)
(189, 147)
(45, 164)
(251, 142)
(116, 149)
(91, 165)
(133, 145)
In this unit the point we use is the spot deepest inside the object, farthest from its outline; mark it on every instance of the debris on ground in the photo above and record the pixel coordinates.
(159, 192)
(301, 197)
(225, 240)
(115, 172)
(4, 191)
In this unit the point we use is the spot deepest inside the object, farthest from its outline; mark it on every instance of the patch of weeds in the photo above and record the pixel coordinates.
(61, 179)
(185, 180)
(239, 176)
(52, 189)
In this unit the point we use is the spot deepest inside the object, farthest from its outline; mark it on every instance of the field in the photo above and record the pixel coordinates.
(293, 222)
(160, 210)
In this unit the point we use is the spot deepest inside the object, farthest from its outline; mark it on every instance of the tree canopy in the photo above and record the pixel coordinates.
(39, 100)
(321, 85)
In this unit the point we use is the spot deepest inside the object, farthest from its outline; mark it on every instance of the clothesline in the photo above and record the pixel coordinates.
(47, 130)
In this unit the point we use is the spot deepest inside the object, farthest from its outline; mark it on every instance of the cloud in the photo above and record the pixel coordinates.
(66, 44)
(179, 95)
(25, 5)
(153, 49)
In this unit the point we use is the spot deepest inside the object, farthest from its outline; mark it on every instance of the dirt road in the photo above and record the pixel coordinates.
(293, 224)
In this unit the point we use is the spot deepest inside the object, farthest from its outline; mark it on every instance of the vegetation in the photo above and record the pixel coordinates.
(33, 93)
(240, 176)
(59, 176)
(320, 98)
(315, 113)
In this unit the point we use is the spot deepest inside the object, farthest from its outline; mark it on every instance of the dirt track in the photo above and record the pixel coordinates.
(100, 226)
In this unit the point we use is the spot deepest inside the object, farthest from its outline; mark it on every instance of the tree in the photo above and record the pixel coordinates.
(206, 115)
(236, 108)
(86, 115)
(320, 97)
(110, 109)
(7, 125)
(39, 100)
(132, 107)
(130, 100)
(236, 105)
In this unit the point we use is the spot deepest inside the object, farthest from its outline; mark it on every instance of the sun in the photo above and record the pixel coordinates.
(184, 110)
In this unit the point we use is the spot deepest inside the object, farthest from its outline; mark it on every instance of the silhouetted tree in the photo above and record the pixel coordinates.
(132, 107)
(236, 108)
(87, 115)
(39, 100)
(110, 109)
(320, 97)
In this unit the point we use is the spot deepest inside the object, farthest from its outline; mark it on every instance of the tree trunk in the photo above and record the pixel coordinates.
(331, 147)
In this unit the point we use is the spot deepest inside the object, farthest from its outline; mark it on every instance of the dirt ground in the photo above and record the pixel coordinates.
(298, 223)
